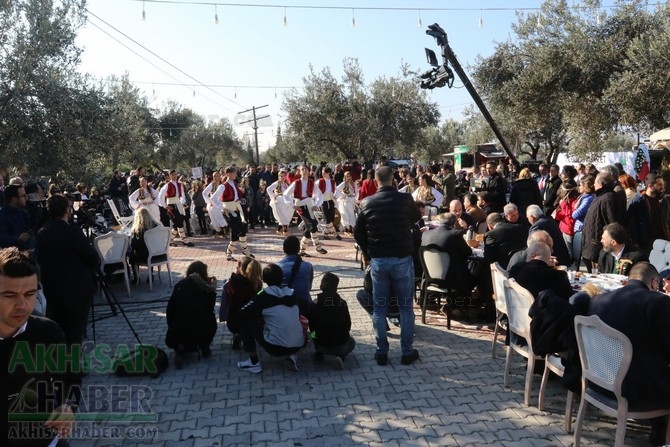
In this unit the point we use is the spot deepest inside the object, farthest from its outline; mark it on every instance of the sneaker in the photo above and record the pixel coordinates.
(395, 321)
(411, 358)
(236, 345)
(188, 244)
(304, 254)
(246, 365)
(338, 237)
(322, 250)
(338, 364)
(382, 359)
(229, 257)
(294, 362)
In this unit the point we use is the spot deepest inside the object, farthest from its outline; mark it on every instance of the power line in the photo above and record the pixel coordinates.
(198, 82)
(369, 8)
(179, 83)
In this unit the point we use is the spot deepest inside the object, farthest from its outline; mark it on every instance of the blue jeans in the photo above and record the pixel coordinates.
(399, 273)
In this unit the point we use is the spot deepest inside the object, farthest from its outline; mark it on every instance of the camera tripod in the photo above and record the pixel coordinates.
(113, 303)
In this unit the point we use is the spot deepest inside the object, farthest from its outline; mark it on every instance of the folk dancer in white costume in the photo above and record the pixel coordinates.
(327, 186)
(145, 197)
(346, 202)
(172, 198)
(306, 198)
(227, 196)
(214, 211)
(429, 195)
(282, 210)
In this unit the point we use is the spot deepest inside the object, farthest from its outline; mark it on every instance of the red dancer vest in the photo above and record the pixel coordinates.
(297, 192)
(322, 185)
(229, 193)
(172, 191)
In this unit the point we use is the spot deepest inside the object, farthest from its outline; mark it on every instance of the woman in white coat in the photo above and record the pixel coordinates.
(145, 197)
(428, 194)
(282, 210)
(215, 211)
(346, 203)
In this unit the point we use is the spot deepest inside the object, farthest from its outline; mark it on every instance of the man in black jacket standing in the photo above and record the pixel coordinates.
(384, 233)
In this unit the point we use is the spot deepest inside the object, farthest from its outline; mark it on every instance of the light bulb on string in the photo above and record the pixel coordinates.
(144, 14)
(153, 89)
(419, 22)
(539, 20)
(275, 93)
(235, 92)
(353, 19)
(216, 15)
(599, 20)
(481, 18)
(285, 19)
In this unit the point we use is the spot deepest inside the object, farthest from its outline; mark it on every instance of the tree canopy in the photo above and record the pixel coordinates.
(571, 78)
(352, 119)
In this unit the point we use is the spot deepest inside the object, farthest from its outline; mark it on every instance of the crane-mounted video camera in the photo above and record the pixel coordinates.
(441, 74)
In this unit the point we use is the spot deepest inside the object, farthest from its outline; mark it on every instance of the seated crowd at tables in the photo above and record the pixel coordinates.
(575, 218)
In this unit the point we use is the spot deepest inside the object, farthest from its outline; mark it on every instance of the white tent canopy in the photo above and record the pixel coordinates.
(661, 135)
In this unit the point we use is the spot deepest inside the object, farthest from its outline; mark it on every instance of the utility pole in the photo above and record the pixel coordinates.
(255, 127)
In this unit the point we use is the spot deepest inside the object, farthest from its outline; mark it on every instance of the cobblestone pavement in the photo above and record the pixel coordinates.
(453, 396)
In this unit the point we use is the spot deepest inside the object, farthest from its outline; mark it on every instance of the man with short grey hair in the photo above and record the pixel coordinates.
(384, 233)
(537, 274)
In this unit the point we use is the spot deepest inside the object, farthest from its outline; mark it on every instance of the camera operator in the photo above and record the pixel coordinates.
(67, 261)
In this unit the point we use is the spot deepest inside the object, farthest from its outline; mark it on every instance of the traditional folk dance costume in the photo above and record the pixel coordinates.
(171, 197)
(282, 210)
(346, 202)
(328, 187)
(306, 196)
(214, 211)
(227, 196)
(146, 198)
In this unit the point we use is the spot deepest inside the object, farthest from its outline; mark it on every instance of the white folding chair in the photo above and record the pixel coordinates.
(518, 302)
(157, 240)
(112, 249)
(660, 255)
(606, 354)
(124, 221)
(498, 277)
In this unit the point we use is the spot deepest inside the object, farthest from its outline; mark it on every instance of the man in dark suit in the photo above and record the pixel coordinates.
(502, 240)
(496, 185)
(538, 221)
(616, 256)
(641, 313)
(537, 275)
(451, 240)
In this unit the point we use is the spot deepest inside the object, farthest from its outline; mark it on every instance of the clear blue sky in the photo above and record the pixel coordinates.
(251, 47)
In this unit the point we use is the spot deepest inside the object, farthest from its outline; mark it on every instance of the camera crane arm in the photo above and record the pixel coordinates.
(439, 77)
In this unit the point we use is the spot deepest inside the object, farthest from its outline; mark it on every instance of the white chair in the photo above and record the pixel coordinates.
(498, 277)
(112, 249)
(435, 264)
(660, 255)
(124, 221)
(606, 354)
(158, 243)
(518, 302)
(553, 363)
(482, 228)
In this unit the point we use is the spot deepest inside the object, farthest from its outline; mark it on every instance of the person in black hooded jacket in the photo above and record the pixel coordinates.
(190, 314)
